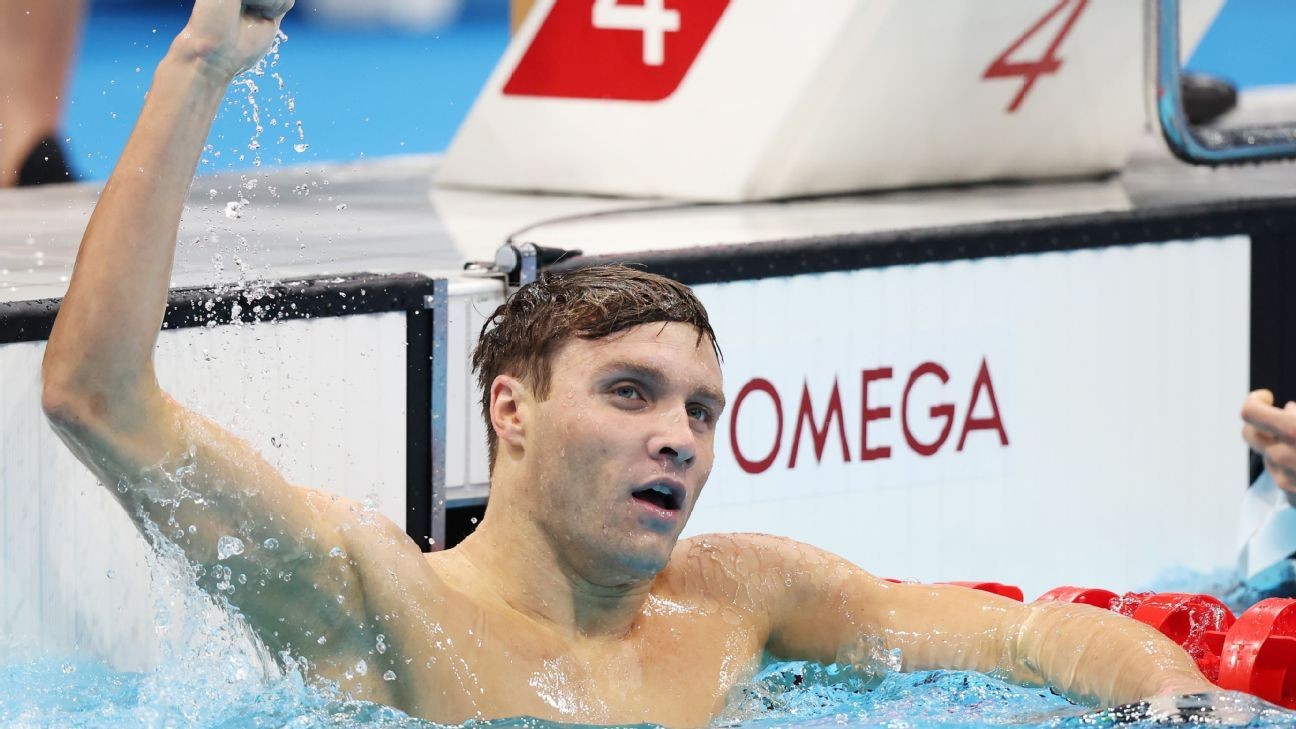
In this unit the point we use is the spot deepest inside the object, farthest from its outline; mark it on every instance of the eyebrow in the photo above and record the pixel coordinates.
(657, 378)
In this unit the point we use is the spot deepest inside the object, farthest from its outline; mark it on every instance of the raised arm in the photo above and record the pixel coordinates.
(201, 486)
(1086, 653)
(100, 389)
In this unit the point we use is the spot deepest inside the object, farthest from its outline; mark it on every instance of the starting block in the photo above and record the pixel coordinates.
(734, 100)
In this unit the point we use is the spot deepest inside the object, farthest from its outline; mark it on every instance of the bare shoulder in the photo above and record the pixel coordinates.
(745, 569)
(389, 566)
(808, 598)
(750, 552)
(757, 567)
(381, 595)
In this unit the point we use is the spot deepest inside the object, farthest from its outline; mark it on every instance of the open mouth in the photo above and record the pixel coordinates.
(661, 496)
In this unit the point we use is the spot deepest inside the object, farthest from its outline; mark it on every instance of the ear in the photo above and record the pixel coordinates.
(508, 409)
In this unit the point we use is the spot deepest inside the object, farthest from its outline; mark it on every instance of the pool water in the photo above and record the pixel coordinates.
(212, 673)
(52, 693)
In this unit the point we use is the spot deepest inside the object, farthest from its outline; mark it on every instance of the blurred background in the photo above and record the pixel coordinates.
(396, 80)
(380, 77)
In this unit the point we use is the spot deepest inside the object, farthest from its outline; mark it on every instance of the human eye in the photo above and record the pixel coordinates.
(627, 391)
(700, 413)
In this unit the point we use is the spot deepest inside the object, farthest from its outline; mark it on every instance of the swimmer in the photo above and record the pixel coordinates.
(574, 600)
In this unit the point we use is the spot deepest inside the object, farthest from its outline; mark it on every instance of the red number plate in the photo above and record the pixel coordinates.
(615, 49)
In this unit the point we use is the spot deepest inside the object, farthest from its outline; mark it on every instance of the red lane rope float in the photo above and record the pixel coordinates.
(1012, 592)
(1186, 619)
(1259, 653)
(1081, 596)
(1129, 602)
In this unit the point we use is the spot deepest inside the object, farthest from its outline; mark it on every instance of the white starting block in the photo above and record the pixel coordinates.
(733, 100)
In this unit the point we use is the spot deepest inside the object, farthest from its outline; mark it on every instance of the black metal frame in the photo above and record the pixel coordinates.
(414, 294)
(1205, 145)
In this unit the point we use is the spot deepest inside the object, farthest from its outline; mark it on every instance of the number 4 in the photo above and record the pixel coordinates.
(1030, 71)
(652, 19)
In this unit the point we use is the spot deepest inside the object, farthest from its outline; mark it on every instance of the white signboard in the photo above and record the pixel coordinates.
(73, 569)
(1063, 418)
(751, 99)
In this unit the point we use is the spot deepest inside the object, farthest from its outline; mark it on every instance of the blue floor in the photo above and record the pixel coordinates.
(1251, 43)
(357, 94)
(362, 94)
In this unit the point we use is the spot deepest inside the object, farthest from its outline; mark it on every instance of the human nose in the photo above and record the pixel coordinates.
(674, 440)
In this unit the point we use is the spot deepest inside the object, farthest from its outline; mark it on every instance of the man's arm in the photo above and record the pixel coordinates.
(827, 604)
(198, 484)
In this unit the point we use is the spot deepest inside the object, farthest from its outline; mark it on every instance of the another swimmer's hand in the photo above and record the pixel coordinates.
(229, 36)
(1271, 432)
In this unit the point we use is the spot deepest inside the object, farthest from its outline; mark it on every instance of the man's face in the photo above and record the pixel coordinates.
(623, 445)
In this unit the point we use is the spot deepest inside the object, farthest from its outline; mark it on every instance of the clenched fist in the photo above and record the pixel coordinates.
(229, 36)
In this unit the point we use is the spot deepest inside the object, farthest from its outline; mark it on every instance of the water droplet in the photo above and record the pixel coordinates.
(270, 543)
(361, 667)
(228, 546)
(337, 552)
(301, 147)
(322, 640)
(110, 574)
(69, 667)
(389, 676)
(381, 644)
(341, 207)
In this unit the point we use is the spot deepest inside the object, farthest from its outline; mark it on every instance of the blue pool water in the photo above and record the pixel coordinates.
(213, 674)
(69, 693)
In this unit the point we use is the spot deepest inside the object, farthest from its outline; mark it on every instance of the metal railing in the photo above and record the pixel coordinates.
(1200, 145)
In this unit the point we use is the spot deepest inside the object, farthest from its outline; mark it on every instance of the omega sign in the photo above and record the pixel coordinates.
(817, 421)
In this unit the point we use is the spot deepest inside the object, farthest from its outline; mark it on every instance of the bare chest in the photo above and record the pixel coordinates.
(673, 669)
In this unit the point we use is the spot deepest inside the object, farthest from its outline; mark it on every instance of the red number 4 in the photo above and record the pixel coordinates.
(1030, 71)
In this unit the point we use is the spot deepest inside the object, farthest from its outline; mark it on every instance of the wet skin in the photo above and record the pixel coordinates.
(573, 586)
(573, 600)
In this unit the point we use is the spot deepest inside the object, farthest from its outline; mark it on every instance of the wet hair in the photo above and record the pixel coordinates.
(523, 334)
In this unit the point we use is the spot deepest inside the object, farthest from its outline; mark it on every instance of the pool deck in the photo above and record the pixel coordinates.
(387, 216)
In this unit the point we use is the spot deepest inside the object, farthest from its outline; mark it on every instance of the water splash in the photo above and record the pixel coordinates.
(209, 693)
(810, 695)
(228, 546)
(262, 98)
